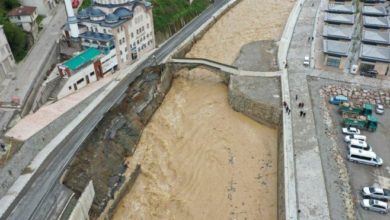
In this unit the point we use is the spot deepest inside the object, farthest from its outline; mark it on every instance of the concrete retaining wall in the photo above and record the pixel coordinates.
(125, 189)
(84, 203)
(51, 59)
(281, 181)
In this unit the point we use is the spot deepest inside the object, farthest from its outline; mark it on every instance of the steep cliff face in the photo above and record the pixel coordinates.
(102, 155)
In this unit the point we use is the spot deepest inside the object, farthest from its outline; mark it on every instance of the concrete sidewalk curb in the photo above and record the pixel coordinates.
(290, 190)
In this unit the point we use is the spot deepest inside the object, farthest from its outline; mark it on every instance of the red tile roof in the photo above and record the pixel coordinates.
(22, 10)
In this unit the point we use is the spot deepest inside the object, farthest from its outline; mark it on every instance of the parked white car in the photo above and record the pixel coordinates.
(375, 205)
(376, 193)
(358, 144)
(379, 109)
(350, 130)
(349, 137)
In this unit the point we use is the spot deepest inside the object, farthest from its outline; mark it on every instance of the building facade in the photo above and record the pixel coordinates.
(44, 7)
(83, 69)
(7, 61)
(25, 17)
(125, 26)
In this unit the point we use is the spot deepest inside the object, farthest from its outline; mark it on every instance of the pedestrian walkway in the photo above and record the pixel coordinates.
(33, 123)
(311, 189)
(224, 67)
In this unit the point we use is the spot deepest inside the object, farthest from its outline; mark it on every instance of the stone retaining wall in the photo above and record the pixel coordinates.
(257, 97)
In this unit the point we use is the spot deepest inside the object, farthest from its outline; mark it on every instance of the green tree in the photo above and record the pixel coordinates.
(10, 4)
(16, 39)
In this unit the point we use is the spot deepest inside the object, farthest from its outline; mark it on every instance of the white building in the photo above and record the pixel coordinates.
(7, 61)
(25, 17)
(87, 67)
(44, 7)
(123, 25)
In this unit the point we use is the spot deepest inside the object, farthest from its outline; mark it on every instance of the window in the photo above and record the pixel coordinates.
(147, 26)
(132, 34)
(333, 61)
(361, 157)
(92, 73)
(123, 40)
(104, 30)
(70, 87)
(80, 81)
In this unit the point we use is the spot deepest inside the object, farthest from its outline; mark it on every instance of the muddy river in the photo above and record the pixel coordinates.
(202, 160)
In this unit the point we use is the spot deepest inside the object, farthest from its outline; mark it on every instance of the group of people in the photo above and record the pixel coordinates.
(300, 105)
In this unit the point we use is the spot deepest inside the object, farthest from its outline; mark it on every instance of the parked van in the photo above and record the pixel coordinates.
(339, 99)
(365, 157)
(349, 137)
(358, 144)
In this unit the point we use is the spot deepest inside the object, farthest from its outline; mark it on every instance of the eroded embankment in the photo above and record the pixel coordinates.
(202, 160)
(102, 155)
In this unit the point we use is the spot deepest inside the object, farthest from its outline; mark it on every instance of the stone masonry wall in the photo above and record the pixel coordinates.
(357, 94)
(256, 97)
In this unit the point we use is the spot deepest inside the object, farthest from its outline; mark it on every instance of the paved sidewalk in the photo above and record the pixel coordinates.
(311, 189)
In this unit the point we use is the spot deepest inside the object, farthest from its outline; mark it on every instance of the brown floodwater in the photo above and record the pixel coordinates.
(202, 160)
(250, 20)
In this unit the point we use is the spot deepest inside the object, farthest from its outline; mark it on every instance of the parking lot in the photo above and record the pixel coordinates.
(363, 175)
(358, 175)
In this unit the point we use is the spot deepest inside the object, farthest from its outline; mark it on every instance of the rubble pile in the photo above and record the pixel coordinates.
(358, 95)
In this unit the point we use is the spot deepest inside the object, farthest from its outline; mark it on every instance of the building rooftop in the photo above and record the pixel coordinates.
(376, 22)
(339, 18)
(376, 36)
(375, 53)
(338, 31)
(85, 57)
(340, 8)
(338, 48)
(22, 10)
(376, 10)
(122, 12)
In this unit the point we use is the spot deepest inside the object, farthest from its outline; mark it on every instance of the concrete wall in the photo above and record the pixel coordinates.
(125, 189)
(84, 203)
(51, 58)
(381, 68)
(281, 181)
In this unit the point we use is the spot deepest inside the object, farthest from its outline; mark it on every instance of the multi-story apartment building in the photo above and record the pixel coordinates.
(7, 61)
(125, 26)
